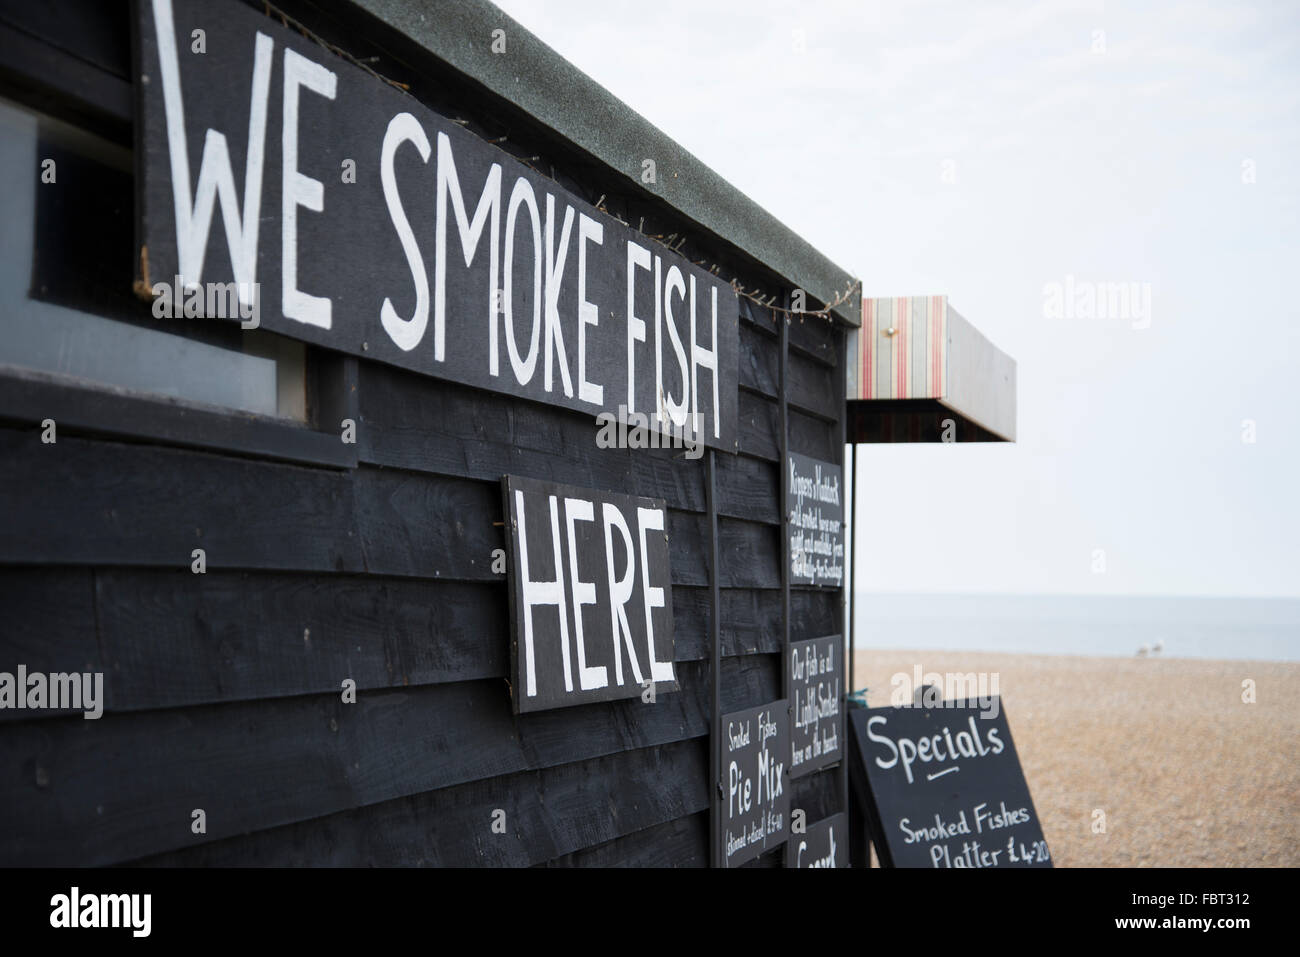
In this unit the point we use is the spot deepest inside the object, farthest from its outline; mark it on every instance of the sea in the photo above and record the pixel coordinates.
(1105, 625)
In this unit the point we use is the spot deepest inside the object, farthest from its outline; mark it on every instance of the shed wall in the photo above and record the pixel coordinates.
(223, 689)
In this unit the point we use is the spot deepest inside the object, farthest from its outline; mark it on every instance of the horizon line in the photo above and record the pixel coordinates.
(1065, 594)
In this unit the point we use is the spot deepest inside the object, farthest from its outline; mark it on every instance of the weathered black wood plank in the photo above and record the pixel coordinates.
(265, 764)
(28, 398)
(818, 794)
(815, 338)
(758, 426)
(750, 554)
(758, 317)
(680, 843)
(168, 638)
(101, 34)
(748, 488)
(769, 859)
(749, 551)
(427, 527)
(96, 502)
(814, 388)
(758, 362)
(173, 638)
(548, 815)
(123, 523)
(47, 622)
(816, 437)
(750, 681)
(463, 432)
(814, 612)
(459, 431)
(90, 502)
(257, 765)
(751, 619)
(809, 434)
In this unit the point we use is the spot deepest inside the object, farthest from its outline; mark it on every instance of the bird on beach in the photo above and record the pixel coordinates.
(1158, 647)
(1142, 652)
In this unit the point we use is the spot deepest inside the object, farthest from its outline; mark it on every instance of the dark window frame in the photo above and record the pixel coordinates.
(42, 74)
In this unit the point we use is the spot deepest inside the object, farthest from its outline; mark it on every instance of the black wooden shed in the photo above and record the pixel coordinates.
(186, 513)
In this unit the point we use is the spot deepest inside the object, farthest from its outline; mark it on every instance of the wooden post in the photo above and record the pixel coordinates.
(715, 642)
(846, 590)
(853, 565)
(783, 320)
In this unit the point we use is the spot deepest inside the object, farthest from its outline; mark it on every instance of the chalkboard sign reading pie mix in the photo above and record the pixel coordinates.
(754, 792)
(337, 210)
(947, 788)
(814, 511)
(590, 601)
(814, 685)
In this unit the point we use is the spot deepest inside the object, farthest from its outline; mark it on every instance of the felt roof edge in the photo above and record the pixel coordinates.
(557, 94)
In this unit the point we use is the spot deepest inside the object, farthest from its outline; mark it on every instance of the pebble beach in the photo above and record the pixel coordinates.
(1185, 772)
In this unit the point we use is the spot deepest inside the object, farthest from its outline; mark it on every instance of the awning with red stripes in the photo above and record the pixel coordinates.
(918, 371)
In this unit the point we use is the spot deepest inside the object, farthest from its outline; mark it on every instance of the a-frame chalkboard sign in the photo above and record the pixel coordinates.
(943, 787)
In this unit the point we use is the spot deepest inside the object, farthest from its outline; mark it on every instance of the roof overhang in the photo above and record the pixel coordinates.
(918, 371)
(556, 94)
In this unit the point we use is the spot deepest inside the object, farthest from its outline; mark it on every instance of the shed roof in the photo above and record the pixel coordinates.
(573, 105)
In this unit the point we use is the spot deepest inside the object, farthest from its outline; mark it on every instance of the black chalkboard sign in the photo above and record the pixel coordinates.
(590, 597)
(946, 788)
(825, 844)
(814, 511)
(754, 793)
(275, 175)
(814, 686)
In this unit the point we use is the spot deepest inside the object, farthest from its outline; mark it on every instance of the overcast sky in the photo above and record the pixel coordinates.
(985, 150)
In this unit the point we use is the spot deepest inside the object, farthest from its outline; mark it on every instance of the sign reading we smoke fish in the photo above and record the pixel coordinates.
(348, 215)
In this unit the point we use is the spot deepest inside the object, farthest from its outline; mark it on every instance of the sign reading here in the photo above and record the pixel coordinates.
(814, 686)
(814, 510)
(754, 794)
(590, 596)
(947, 788)
(274, 174)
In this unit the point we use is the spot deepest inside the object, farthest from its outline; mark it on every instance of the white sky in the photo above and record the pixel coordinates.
(1110, 157)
